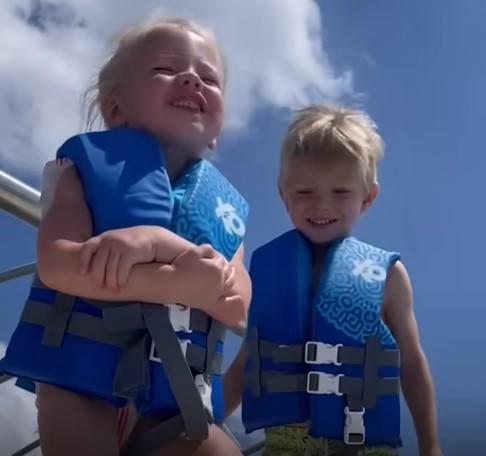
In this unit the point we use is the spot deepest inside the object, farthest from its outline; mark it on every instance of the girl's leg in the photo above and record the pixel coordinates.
(75, 425)
(218, 442)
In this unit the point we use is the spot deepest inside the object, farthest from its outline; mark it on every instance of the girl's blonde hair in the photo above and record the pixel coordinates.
(325, 130)
(124, 41)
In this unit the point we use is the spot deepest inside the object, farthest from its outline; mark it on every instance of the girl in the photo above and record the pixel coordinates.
(163, 84)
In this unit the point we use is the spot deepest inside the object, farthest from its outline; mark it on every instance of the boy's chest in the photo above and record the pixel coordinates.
(316, 268)
(315, 275)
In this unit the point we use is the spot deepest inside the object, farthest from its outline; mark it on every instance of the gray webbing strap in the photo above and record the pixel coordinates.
(96, 328)
(371, 357)
(213, 362)
(155, 319)
(278, 382)
(357, 402)
(177, 371)
(301, 353)
(58, 320)
(79, 324)
(371, 379)
(253, 377)
(129, 333)
(59, 315)
(131, 373)
(198, 321)
(282, 353)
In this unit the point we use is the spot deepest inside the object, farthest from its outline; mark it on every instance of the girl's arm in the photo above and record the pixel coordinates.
(232, 308)
(64, 229)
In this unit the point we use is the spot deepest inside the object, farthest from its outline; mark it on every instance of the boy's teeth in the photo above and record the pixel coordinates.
(321, 221)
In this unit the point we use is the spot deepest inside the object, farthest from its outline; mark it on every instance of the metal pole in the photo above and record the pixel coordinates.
(4, 378)
(17, 272)
(19, 200)
(27, 449)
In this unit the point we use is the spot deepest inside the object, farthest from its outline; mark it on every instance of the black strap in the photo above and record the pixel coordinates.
(253, 377)
(133, 327)
(97, 329)
(309, 352)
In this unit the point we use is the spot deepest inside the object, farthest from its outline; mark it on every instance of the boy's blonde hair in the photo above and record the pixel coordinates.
(111, 70)
(331, 131)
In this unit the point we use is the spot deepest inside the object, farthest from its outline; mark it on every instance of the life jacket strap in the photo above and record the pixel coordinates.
(168, 429)
(361, 393)
(134, 327)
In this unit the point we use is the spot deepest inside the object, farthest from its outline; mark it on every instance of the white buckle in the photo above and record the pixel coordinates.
(180, 317)
(153, 357)
(321, 353)
(354, 428)
(323, 383)
(204, 391)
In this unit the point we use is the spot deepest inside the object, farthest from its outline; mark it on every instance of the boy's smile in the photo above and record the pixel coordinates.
(324, 198)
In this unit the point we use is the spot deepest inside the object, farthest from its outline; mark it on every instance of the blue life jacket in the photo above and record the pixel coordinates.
(324, 359)
(110, 350)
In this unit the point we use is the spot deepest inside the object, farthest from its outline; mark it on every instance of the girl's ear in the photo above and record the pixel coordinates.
(111, 112)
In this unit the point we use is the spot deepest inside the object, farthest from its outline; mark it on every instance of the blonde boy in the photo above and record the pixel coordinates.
(319, 369)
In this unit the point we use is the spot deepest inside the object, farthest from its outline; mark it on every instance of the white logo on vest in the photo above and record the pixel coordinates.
(369, 270)
(231, 220)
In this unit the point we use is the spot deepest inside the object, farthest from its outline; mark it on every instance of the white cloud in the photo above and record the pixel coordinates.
(274, 47)
(17, 418)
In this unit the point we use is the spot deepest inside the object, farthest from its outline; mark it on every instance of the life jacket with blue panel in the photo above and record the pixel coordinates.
(164, 358)
(324, 359)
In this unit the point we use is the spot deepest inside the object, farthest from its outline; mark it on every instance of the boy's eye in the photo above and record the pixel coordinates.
(342, 191)
(304, 192)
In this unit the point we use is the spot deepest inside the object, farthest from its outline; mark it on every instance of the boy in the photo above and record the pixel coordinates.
(331, 331)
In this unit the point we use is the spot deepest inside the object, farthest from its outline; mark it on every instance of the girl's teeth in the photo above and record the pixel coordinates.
(186, 104)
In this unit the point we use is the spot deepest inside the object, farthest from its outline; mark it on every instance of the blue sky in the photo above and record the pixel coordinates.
(419, 68)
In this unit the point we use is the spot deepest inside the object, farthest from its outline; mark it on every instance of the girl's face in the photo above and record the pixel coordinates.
(172, 88)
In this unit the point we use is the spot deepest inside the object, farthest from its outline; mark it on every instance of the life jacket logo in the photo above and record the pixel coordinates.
(231, 220)
(369, 271)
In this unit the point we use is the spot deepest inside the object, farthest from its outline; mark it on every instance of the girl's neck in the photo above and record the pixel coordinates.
(177, 160)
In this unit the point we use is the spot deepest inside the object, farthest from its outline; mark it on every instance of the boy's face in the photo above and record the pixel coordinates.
(172, 88)
(325, 198)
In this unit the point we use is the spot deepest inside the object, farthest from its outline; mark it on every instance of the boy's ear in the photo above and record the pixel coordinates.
(370, 197)
(212, 144)
(282, 195)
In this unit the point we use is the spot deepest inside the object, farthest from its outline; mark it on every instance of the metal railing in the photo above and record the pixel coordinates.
(22, 201)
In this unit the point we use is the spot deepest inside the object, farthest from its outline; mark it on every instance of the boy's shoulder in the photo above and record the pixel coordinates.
(278, 247)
